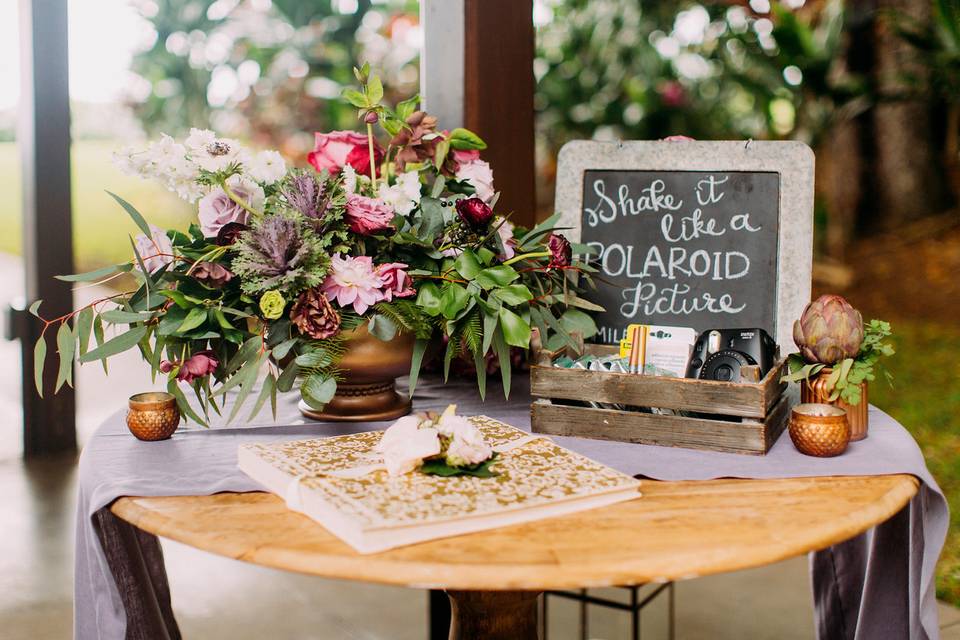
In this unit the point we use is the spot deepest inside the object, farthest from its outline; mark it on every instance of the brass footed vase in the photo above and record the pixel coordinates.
(368, 392)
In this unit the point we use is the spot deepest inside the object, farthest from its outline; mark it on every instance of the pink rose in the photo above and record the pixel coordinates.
(464, 156)
(396, 282)
(367, 216)
(217, 209)
(478, 173)
(332, 151)
(200, 364)
(155, 251)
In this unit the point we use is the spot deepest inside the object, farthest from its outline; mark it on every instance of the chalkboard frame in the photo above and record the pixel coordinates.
(792, 161)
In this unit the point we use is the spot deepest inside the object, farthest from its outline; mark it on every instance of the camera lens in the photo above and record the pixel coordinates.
(724, 366)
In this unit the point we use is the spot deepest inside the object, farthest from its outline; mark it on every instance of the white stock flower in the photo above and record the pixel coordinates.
(155, 251)
(349, 179)
(200, 138)
(467, 446)
(407, 448)
(267, 167)
(404, 196)
(478, 174)
(219, 154)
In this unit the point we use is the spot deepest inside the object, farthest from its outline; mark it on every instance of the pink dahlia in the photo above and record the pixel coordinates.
(353, 281)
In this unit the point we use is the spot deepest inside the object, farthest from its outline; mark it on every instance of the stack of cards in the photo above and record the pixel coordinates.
(667, 349)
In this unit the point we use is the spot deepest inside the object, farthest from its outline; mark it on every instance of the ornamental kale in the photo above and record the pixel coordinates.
(280, 253)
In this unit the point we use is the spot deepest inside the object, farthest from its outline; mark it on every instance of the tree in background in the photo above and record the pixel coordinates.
(268, 71)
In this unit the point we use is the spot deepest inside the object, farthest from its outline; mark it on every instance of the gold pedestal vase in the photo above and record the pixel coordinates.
(369, 369)
(815, 391)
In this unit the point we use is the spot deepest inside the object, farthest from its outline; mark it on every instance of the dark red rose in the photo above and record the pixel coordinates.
(475, 212)
(359, 159)
(229, 233)
(212, 274)
(561, 253)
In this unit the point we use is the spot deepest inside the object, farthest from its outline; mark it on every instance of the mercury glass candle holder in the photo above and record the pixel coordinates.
(820, 430)
(153, 415)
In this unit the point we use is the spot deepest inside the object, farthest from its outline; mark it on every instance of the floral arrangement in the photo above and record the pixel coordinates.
(443, 445)
(396, 233)
(831, 333)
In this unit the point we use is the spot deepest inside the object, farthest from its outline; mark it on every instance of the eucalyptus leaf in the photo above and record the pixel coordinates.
(119, 316)
(96, 274)
(382, 327)
(133, 213)
(39, 359)
(419, 348)
(195, 317)
(287, 377)
(268, 390)
(317, 390)
(34, 308)
(503, 355)
(66, 346)
(115, 345)
(84, 326)
(174, 389)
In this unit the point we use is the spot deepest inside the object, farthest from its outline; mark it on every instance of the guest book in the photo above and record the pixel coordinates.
(340, 482)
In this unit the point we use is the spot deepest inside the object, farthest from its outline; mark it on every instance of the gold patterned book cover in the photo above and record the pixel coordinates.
(340, 482)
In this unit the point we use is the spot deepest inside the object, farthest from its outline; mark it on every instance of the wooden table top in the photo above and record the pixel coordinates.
(676, 530)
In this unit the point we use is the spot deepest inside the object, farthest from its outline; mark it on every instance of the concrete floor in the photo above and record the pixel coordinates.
(218, 598)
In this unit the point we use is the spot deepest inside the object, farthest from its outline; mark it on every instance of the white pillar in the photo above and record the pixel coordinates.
(441, 61)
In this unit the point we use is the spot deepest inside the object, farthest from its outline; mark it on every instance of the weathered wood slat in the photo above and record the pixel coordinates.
(645, 428)
(748, 400)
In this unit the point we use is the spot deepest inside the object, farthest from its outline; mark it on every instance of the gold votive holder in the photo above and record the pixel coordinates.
(153, 415)
(820, 430)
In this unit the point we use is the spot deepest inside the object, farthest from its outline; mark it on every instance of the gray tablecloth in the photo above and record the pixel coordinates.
(877, 585)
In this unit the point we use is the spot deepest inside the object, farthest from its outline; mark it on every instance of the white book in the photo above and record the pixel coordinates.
(340, 483)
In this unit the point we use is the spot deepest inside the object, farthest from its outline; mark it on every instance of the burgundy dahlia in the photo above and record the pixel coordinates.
(561, 253)
(314, 316)
(475, 212)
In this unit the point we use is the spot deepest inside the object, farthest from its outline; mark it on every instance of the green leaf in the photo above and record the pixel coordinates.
(453, 299)
(431, 219)
(490, 321)
(268, 390)
(574, 320)
(248, 379)
(499, 276)
(503, 355)
(39, 357)
(314, 359)
(317, 390)
(355, 98)
(428, 299)
(174, 389)
(574, 300)
(382, 327)
(375, 90)
(419, 348)
(66, 345)
(468, 264)
(84, 326)
(461, 138)
(115, 345)
(439, 467)
(406, 108)
(194, 319)
(440, 152)
(481, 367)
(513, 294)
(34, 308)
(143, 270)
(98, 335)
(281, 350)
(119, 316)
(96, 274)
(288, 377)
(516, 331)
(133, 213)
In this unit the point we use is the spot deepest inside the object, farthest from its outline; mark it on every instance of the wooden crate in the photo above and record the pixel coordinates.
(760, 410)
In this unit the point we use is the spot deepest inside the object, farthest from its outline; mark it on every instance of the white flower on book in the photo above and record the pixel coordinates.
(448, 440)
(405, 445)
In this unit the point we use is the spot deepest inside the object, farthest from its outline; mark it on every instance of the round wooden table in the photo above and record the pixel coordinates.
(675, 531)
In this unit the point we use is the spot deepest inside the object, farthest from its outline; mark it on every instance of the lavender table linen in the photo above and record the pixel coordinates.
(877, 585)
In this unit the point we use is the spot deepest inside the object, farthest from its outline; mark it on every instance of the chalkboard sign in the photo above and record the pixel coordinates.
(697, 234)
(695, 248)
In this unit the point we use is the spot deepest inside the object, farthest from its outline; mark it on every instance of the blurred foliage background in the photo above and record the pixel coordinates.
(873, 87)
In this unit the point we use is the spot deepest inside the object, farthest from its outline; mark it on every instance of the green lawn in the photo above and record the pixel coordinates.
(925, 396)
(100, 226)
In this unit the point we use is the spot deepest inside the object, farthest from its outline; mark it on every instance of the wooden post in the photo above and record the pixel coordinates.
(485, 47)
(44, 139)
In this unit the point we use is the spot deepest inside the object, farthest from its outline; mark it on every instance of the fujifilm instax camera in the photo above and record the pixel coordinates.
(718, 354)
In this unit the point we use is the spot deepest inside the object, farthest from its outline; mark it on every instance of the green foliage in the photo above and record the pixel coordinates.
(439, 467)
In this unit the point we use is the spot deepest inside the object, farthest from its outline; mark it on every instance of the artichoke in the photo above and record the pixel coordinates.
(830, 330)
